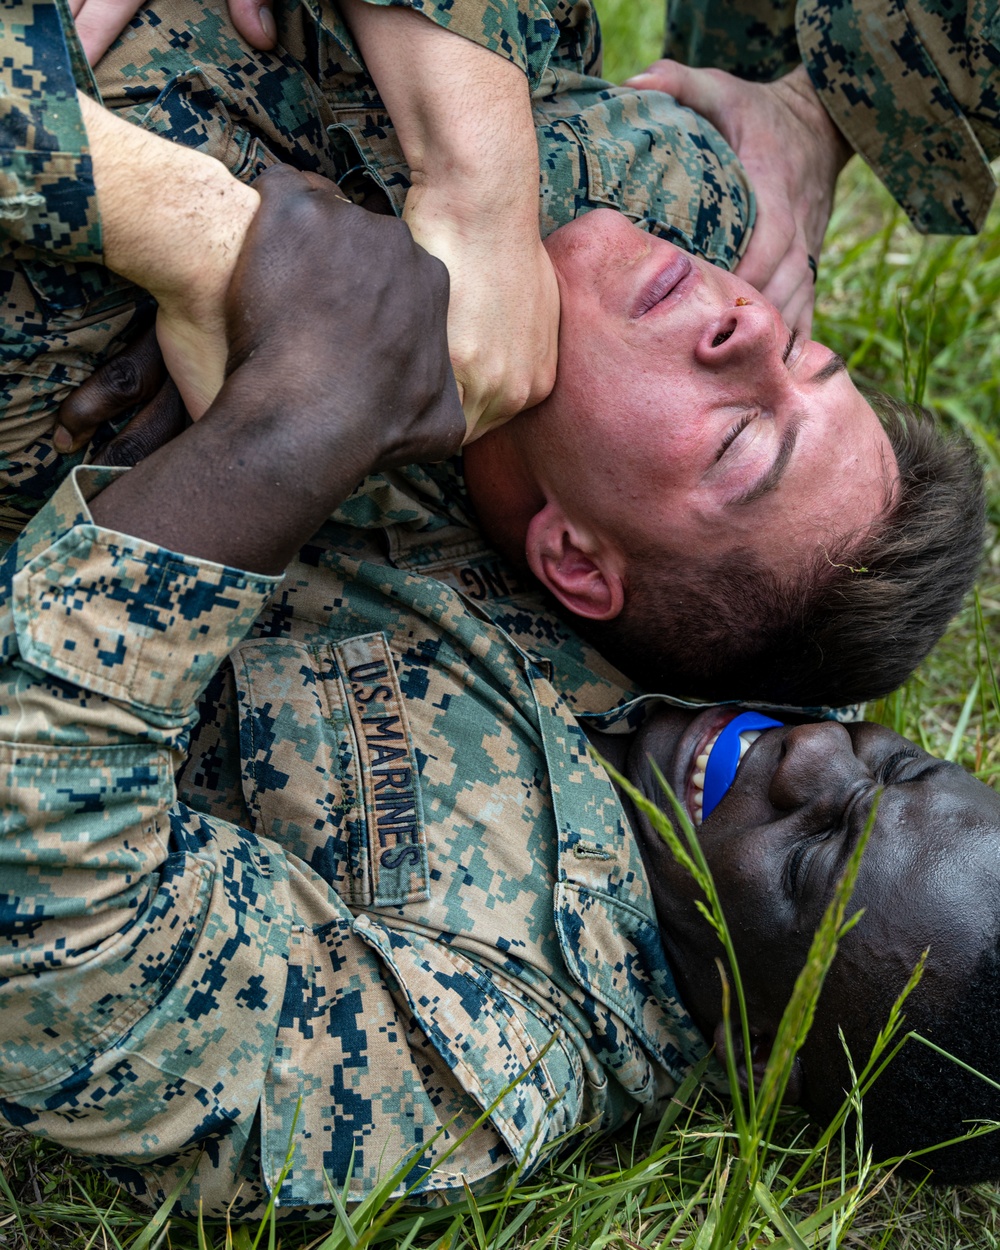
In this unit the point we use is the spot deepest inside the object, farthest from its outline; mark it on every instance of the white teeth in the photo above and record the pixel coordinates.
(747, 739)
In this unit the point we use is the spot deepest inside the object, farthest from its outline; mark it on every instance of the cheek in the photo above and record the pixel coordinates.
(590, 367)
(751, 892)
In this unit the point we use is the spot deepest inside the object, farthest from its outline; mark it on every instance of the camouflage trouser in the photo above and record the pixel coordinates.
(914, 85)
(181, 70)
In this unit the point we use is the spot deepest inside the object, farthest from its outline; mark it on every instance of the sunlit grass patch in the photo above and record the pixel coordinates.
(918, 317)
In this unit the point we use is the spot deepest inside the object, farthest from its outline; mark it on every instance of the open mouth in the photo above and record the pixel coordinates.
(717, 760)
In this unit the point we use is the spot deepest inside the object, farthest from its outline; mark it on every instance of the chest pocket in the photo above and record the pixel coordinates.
(329, 767)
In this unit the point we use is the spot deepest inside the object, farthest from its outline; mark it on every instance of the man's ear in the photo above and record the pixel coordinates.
(761, 1043)
(581, 570)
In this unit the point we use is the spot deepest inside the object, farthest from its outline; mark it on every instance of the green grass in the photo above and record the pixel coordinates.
(633, 35)
(907, 313)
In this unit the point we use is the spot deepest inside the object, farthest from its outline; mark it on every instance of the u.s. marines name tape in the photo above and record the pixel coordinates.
(388, 769)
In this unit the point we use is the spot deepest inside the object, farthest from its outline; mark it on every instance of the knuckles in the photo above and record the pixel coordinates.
(121, 378)
(364, 293)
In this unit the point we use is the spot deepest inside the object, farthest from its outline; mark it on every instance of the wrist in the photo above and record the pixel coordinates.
(495, 208)
(192, 282)
(474, 230)
(462, 113)
(806, 102)
(173, 219)
(451, 181)
(191, 289)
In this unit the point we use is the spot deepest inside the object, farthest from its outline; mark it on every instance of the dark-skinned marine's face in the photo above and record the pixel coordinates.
(777, 843)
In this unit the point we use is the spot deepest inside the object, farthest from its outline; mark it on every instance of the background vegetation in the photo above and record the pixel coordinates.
(914, 316)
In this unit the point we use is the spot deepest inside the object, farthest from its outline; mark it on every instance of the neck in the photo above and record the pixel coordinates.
(504, 491)
(612, 748)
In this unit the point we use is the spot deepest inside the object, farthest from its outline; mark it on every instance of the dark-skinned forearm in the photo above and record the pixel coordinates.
(246, 485)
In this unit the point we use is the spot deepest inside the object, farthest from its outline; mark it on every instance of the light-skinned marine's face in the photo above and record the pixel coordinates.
(684, 406)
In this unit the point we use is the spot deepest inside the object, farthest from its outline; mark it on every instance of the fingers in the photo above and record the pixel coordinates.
(161, 420)
(255, 22)
(503, 316)
(791, 289)
(777, 267)
(368, 335)
(798, 309)
(100, 22)
(132, 377)
(777, 264)
(708, 91)
(668, 76)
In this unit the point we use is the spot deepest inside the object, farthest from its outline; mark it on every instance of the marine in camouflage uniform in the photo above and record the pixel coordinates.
(181, 70)
(344, 930)
(347, 928)
(388, 883)
(914, 87)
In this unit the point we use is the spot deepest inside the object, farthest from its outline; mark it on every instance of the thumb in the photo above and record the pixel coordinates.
(703, 90)
(254, 20)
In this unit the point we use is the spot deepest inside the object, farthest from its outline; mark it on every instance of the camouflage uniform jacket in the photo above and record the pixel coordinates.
(914, 85)
(346, 897)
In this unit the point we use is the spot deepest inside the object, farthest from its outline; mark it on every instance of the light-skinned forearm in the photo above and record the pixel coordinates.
(464, 120)
(462, 114)
(173, 221)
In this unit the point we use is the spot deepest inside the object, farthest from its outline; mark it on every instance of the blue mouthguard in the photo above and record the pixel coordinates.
(725, 758)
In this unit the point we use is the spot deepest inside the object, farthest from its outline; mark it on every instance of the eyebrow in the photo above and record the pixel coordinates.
(836, 364)
(764, 485)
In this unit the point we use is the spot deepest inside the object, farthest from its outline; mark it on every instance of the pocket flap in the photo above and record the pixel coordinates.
(329, 767)
(487, 1038)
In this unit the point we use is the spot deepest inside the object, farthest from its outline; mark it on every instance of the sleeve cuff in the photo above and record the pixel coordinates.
(883, 89)
(115, 615)
(523, 33)
(48, 203)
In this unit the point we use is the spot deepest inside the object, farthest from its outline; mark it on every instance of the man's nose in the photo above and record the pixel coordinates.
(817, 763)
(742, 334)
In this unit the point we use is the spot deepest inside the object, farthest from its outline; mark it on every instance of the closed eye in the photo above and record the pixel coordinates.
(886, 771)
(733, 434)
(794, 864)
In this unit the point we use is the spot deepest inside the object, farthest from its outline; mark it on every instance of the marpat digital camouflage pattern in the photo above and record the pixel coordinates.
(914, 86)
(389, 882)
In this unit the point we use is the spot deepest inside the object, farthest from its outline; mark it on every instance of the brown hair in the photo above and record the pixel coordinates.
(851, 627)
